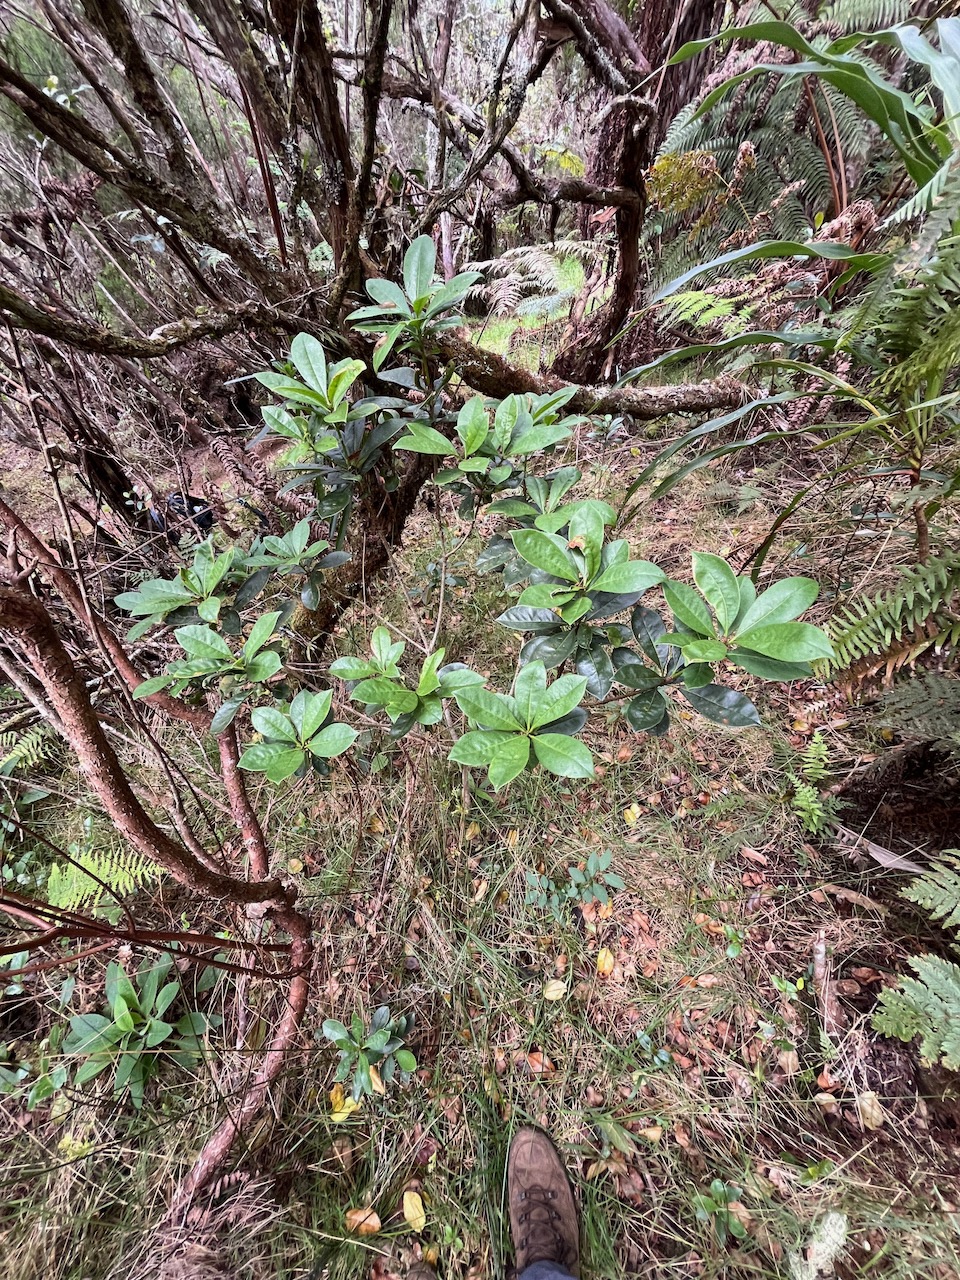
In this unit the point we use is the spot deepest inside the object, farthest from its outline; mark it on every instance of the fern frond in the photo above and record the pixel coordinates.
(938, 890)
(926, 709)
(27, 750)
(895, 627)
(866, 15)
(70, 887)
(927, 1006)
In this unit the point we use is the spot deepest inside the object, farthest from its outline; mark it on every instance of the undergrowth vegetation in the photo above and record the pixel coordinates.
(479, 618)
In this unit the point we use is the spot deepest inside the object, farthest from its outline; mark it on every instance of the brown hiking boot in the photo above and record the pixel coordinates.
(543, 1214)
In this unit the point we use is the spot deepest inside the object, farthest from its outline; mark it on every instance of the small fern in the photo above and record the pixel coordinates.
(938, 890)
(809, 806)
(896, 627)
(813, 763)
(70, 887)
(26, 750)
(927, 1006)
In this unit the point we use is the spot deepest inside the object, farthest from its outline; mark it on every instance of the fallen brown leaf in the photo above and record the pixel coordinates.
(362, 1222)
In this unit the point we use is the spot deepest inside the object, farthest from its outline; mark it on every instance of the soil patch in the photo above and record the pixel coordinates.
(908, 801)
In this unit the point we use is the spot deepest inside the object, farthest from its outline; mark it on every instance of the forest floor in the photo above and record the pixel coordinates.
(701, 1051)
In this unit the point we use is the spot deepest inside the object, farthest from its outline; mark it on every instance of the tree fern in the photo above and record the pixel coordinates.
(70, 887)
(896, 626)
(927, 1006)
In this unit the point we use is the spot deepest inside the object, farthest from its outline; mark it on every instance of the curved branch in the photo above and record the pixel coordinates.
(25, 618)
(490, 374)
(95, 626)
(84, 335)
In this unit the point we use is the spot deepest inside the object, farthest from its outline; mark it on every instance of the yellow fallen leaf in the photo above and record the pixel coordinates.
(472, 831)
(377, 1082)
(431, 1254)
(631, 814)
(653, 1133)
(605, 962)
(341, 1107)
(295, 866)
(414, 1212)
(870, 1110)
(512, 838)
(362, 1222)
(554, 989)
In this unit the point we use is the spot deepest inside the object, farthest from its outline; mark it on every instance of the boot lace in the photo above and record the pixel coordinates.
(542, 1239)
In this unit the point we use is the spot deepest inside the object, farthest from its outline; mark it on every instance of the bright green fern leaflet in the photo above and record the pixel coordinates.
(27, 750)
(70, 887)
(938, 890)
(927, 1006)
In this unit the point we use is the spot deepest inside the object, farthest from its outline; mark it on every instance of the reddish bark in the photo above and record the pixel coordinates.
(24, 618)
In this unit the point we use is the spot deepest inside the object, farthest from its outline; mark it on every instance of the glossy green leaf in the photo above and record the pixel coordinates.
(419, 262)
(566, 757)
(723, 706)
(424, 439)
(560, 699)
(787, 641)
(536, 439)
(546, 551)
(704, 651)
(283, 764)
(386, 293)
(645, 712)
(509, 760)
(546, 595)
(310, 362)
(473, 425)
(782, 602)
(529, 691)
(689, 608)
(308, 712)
(597, 669)
(769, 668)
(202, 642)
(350, 668)
(260, 633)
(332, 741)
(586, 533)
(525, 618)
(264, 665)
(379, 691)
(718, 584)
(342, 377)
(550, 649)
(273, 724)
(492, 710)
(477, 748)
(628, 576)
(149, 687)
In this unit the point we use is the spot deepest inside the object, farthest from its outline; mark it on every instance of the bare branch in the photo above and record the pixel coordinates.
(492, 375)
